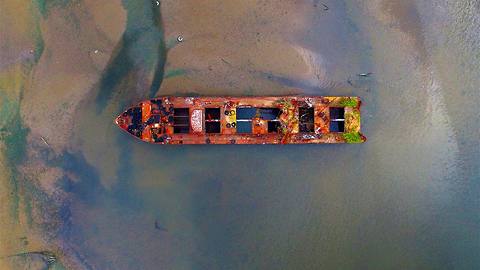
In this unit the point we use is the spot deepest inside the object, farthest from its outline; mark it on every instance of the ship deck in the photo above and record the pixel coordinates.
(245, 120)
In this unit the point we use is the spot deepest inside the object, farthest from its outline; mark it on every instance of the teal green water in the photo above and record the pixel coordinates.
(406, 199)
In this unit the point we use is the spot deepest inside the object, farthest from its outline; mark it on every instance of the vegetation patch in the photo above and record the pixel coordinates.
(44, 6)
(13, 134)
(352, 121)
(353, 137)
(39, 44)
(285, 104)
(349, 102)
(175, 73)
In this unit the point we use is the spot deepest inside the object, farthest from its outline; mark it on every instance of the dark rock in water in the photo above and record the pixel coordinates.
(159, 227)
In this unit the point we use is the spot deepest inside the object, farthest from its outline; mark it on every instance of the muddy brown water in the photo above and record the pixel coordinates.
(406, 199)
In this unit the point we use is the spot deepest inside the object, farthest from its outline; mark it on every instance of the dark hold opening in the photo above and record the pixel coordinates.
(337, 113)
(337, 126)
(180, 129)
(306, 119)
(212, 127)
(269, 113)
(337, 119)
(180, 112)
(181, 120)
(212, 120)
(212, 113)
(273, 126)
(247, 113)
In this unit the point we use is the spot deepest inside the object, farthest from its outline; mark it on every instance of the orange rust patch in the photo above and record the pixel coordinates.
(146, 111)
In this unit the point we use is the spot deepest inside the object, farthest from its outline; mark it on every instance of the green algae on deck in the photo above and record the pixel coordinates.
(349, 102)
(353, 137)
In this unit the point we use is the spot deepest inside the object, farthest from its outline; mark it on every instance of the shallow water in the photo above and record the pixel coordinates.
(406, 199)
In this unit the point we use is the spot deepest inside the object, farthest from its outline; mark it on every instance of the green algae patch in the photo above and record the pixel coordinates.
(142, 50)
(39, 44)
(44, 6)
(39, 49)
(28, 209)
(353, 137)
(13, 134)
(349, 102)
(352, 121)
(175, 73)
(171, 43)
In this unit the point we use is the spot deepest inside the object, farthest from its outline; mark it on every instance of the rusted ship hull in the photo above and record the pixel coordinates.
(245, 120)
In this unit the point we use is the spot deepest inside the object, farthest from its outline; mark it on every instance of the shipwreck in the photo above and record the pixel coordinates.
(244, 120)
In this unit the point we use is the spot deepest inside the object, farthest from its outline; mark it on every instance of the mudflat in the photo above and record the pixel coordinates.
(77, 193)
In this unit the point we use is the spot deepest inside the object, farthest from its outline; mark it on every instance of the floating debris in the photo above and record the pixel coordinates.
(51, 259)
(180, 38)
(160, 227)
(325, 7)
(365, 74)
(309, 102)
(225, 61)
(308, 137)
(44, 141)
